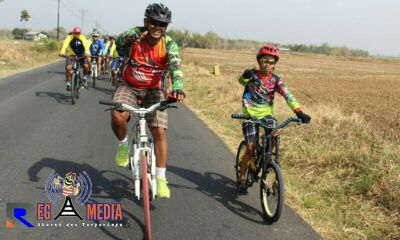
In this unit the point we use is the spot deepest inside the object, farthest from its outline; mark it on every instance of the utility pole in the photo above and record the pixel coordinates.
(83, 14)
(58, 22)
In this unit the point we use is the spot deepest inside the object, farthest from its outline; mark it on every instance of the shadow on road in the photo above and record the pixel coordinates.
(108, 91)
(57, 72)
(59, 97)
(115, 189)
(220, 188)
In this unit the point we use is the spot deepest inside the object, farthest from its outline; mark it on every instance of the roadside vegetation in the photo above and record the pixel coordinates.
(342, 172)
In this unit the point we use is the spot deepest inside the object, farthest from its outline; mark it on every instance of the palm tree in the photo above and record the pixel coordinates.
(24, 18)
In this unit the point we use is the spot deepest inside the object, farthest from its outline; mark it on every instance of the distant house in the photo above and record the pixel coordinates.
(35, 36)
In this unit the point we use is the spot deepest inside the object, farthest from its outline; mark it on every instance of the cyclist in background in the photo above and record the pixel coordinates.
(108, 52)
(258, 101)
(96, 47)
(152, 56)
(118, 55)
(76, 45)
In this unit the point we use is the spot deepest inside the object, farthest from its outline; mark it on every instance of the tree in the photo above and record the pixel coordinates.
(19, 33)
(24, 18)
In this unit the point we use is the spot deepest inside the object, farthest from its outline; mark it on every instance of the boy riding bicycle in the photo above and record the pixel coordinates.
(258, 101)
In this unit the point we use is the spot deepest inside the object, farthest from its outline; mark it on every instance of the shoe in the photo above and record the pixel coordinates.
(84, 82)
(68, 88)
(162, 188)
(122, 158)
(242, 188)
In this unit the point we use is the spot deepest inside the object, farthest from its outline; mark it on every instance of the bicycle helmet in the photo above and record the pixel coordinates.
(268, 50)
(95, 34)
(158, 12)
(76, 30)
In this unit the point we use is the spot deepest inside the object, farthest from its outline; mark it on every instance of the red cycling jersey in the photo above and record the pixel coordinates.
(147, 65)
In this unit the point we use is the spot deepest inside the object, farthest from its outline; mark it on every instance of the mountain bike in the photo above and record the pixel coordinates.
(142, 160)
(265, 165)
(76, 79)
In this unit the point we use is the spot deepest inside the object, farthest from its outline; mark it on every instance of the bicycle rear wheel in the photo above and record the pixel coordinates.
(272, 192)
(146, 200)
(94, 75)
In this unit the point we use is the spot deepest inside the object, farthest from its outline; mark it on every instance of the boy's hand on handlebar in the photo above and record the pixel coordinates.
(304, 117)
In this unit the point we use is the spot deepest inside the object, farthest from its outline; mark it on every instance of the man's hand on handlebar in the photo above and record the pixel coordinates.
(179, 95)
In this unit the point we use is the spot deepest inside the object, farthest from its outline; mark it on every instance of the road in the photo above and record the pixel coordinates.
(42, 132)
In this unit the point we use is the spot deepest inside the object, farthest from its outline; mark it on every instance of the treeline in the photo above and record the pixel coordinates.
(211, 40)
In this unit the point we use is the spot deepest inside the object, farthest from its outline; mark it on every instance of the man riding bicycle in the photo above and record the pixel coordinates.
(76, 45)
(118, 53)
(109, 49)
(152, 56)
(96, 47)
(258, 101)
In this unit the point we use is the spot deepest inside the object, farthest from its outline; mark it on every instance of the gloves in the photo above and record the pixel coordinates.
(304, 117)
(248, 73)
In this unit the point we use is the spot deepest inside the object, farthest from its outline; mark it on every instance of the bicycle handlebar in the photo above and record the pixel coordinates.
(161, 106)
(258, 121)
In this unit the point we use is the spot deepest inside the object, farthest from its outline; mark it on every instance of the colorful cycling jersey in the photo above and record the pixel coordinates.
(150, 65)
(96, 47)
(109, 49)
(75, 46)
(258, 96)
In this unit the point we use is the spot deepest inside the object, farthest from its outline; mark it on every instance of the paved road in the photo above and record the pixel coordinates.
(42, 132)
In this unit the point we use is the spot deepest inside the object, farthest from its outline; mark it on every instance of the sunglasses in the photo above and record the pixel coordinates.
(266, 61)
(158, 23)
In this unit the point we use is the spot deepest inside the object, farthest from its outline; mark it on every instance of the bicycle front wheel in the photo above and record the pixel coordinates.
(239, 156)
(146, 200)
(73, 88)
(272, 192)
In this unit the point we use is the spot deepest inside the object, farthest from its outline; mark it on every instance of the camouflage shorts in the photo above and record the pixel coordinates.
(130, 95)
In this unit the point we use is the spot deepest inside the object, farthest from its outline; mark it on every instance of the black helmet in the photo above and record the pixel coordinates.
(159, 12)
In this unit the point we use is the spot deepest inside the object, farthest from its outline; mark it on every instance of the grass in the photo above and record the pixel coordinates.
(342, 172)
(19, 55)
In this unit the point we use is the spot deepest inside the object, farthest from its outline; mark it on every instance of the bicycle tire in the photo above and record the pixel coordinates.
(78, 85)
(239, 156)
(272, 189)
(94, 75)
(146, 199)
(73, 88)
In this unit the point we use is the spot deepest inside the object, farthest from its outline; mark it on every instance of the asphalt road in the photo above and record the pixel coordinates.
(42, 132)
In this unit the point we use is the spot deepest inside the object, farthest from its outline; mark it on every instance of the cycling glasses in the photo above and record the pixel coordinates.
(266, 61)
(158, 23)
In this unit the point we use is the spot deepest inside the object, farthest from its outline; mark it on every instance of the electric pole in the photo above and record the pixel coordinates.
(83, 14)
(58, 22)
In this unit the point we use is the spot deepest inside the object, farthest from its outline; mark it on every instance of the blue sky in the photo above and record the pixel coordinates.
(366, 24)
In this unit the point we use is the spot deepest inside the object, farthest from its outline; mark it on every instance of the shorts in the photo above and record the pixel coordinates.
(115, 63)
(129, 95)
(70, 61)
(250, 132)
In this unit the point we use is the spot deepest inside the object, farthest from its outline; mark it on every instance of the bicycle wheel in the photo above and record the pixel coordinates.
(73, 88)
(94, 75)
(146, 200)
(239, 156)
(78, 84)
(272, 192)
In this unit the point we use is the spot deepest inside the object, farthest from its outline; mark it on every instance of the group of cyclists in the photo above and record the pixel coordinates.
(150, 56)
(103, 51)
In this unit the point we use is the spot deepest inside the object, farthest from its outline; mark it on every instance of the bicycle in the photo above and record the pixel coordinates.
(141, 157)
(76, 79)
(118, 71)
(94, 69)
(265, 165)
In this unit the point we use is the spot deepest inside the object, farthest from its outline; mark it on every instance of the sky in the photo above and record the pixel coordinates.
(371, 25)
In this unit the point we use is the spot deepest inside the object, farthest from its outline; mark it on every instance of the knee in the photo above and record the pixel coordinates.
(250, 148)
(118, 118)
(68, 67)
(158, 133)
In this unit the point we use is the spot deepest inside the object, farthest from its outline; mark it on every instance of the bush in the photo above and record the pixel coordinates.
(46, 45)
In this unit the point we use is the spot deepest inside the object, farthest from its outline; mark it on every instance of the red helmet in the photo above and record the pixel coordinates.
(76, 30)
(268, 50)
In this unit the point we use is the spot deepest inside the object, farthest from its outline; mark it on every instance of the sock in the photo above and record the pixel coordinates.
(124, 141)
(160, 172)
(68, 83)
